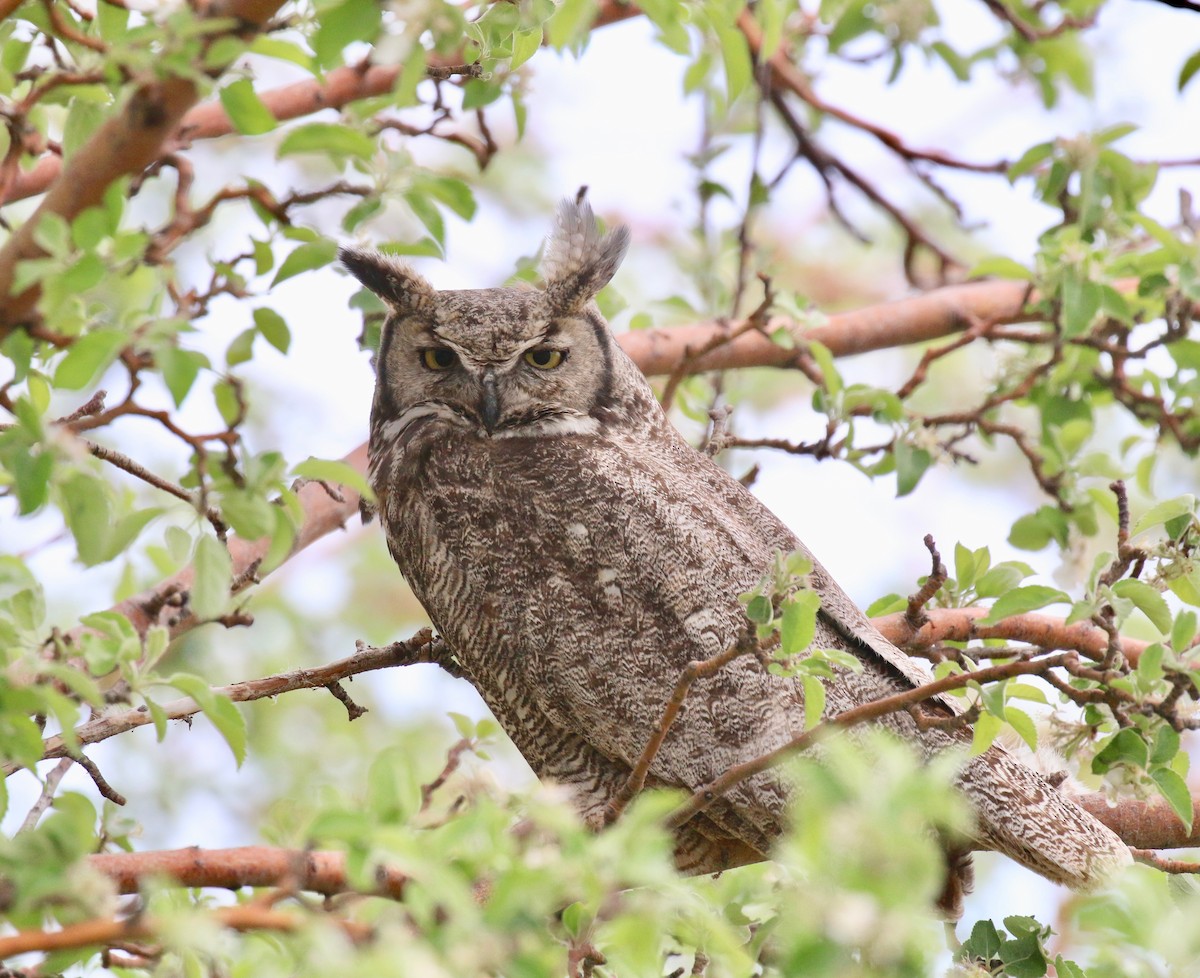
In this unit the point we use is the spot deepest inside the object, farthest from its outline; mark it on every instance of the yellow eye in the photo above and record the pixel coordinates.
(439, 358)
(544, 359)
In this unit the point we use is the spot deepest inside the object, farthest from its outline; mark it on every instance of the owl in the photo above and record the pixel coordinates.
(576, 553)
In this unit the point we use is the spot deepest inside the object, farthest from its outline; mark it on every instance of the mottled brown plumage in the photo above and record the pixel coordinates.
(576, 553)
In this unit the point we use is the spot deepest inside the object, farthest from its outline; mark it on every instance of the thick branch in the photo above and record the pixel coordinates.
(319, 872)
(1144, 824)
(1043, 631)
(917, 319)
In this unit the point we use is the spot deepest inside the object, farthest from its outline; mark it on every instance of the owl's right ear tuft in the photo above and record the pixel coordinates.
(579, 260)
(389, 278)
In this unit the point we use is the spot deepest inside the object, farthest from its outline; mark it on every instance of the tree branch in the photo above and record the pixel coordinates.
(1144, 824)
(107, 931)
(917, 319)
(422, 647)
(257, 866)
(1043, 631)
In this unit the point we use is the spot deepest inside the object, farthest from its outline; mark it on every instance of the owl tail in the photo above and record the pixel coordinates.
(1023, 816)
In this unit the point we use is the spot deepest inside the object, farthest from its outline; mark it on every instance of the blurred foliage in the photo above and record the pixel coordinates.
(164, 289)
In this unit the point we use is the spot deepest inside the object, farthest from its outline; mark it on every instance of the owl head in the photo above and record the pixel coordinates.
(503, 362)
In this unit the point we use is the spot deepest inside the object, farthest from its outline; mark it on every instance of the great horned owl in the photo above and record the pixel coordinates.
(576, 553)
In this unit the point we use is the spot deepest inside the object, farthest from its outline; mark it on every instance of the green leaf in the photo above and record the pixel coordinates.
(1125, 747)
(571, 20)
(31, 479)
(735, 58)
(525, 45)
(329, 470)
(1151, 603)
(246, 110)
(576, 919)
(230, 723)
(1186, 588)
(274, 328)
(1030, 159)
(1020, 721)
(53, 233)
(1166, 745)
(179, 370)
(241, 349)
(428, 214)
(88, 357)
(159, 716)
(219, 709)
(88, 512)
(1068, 969)
(1189, 69)
(1023, 599)
(351, 20)
(911, 464)
(1001, 267)
(463, 724)
(249, 514)
(984, 942)
(958, 65)
(329, 138)
(455, 194)
(1023, 957)
(314, 254)
(759, 610)
(1175, 790)
(90, 228)
(814, 701)
(829, 372)
(886, 605)
(1080, 304)
(127, 529)
(478, 92)
(226, 399)
(213, 574)
(273, 47)
(799, 621)
(84, 117)
(1168, 509)
(987, 729)
(1002, 578)
(1183, 630)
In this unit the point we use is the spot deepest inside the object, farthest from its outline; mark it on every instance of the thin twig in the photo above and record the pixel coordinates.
(353, 710)
(915, 615)
(1162, 864)
(422, 647)
(707, 794)
(697, 669)
(46, 798)
(102, 785)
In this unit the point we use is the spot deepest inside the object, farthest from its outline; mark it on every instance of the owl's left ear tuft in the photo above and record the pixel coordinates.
(389, 278)
(580, 261)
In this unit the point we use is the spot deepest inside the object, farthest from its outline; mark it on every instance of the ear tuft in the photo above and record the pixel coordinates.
(389, 278)
(579, 261)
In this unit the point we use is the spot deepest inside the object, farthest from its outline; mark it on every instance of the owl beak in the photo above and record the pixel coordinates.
(489, 403)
